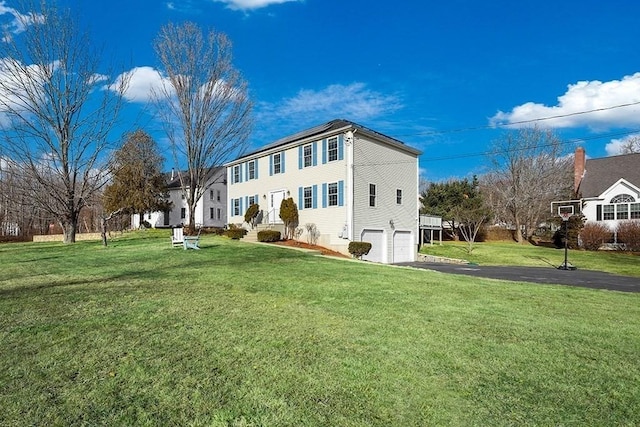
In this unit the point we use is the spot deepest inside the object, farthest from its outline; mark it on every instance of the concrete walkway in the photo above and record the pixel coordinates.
(543, 275)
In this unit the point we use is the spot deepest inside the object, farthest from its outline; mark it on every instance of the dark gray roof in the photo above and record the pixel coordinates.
(328, 127)
(602, 173)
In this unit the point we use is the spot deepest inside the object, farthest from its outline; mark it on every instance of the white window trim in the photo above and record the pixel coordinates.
(375, 195)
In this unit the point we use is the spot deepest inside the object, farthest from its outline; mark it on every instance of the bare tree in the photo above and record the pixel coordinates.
(203, 103)
(56, 111)
(631, 145)
(529, 171)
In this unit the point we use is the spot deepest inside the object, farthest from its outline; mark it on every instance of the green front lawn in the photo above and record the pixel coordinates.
(238, 334)
(511, 253)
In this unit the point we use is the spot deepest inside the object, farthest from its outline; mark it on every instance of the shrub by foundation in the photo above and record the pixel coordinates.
(358, 249)
(629, 234)
(594, 235)
(235, 233)
(268, 236)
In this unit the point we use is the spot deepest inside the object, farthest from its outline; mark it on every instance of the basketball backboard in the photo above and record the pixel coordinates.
(562, 208)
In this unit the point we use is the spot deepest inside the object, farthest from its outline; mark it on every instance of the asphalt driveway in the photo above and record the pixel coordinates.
(543, 275)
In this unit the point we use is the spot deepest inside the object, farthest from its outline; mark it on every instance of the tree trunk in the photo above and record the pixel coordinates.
(518, 233)
(191, 227)
(103, 231)
(69, 229)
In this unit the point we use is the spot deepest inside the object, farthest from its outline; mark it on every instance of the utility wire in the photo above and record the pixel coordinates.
(521, 122)
(496, 151)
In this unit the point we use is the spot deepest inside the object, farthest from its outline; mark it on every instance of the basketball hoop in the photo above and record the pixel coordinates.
(565, 212)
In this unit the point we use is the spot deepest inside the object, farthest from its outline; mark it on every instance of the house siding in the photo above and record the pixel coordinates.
(362, 157)
(592, 207)
(389, 169)
(202, 212)
(329, 220)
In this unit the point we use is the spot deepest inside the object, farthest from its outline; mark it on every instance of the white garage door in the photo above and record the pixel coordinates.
(376, 238)
(402, 246)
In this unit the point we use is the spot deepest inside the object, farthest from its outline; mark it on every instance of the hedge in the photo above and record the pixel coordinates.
(269, 236)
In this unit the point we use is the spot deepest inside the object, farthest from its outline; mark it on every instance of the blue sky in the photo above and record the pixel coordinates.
(443, 77)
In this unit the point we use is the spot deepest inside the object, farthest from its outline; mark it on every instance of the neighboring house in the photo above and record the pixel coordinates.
(211, 209)
(609, 187)
(352, 183)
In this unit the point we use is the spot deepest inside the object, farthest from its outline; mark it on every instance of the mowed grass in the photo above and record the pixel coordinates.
(511, 253)
(249, 335)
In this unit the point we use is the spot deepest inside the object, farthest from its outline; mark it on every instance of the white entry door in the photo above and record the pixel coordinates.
(275, 199)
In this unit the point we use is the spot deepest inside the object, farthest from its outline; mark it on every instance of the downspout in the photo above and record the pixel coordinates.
(349, 188)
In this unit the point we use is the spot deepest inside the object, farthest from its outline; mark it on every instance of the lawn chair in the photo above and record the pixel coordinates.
(192, 242)
(177, 236)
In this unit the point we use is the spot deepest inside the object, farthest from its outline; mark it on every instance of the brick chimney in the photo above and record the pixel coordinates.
(579, 162)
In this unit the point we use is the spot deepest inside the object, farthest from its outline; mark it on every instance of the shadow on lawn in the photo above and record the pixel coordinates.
(542, 259)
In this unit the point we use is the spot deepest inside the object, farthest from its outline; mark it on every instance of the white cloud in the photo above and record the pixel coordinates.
(580, 97)
(352, 102)
(251, 4)
(20, 21)
(615, 146)
(143, 81)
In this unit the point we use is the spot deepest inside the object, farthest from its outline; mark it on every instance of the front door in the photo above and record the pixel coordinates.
(275, 199)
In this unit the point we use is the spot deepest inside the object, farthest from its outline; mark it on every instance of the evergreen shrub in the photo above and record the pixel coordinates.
(269, 236)
(358, 249)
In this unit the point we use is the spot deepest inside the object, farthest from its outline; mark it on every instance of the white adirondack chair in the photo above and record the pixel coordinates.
(177, 236)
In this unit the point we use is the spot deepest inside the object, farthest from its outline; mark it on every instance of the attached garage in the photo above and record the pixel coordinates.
(378, 248)
(403, 246)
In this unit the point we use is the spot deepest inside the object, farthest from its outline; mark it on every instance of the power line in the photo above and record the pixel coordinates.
(521, 122)
(493, 152)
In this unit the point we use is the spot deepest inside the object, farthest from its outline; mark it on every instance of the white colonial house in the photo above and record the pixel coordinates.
(211, 209)
(609, 187)
(352, 183)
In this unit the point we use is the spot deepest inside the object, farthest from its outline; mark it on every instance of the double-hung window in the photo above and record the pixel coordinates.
(332, 149)
(332, 194)
(237, 173)
(277, 163)
(236, 207)
(251, 169)
(398, 196)
(372, 195)
(608, 212)
(307, 155)
(308, 197)
(634, 211)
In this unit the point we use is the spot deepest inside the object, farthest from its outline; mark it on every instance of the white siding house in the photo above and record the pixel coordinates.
(211, 209)
(609, 187)
(353, 183)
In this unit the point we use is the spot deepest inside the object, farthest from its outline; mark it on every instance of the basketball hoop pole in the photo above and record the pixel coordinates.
(565, 265)
(565, 212)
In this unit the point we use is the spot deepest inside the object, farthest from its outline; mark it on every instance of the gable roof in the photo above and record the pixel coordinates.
(602, 173)
(326, 128)
(173, 178)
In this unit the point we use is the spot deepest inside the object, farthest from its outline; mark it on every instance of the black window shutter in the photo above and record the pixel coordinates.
(598, 212)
